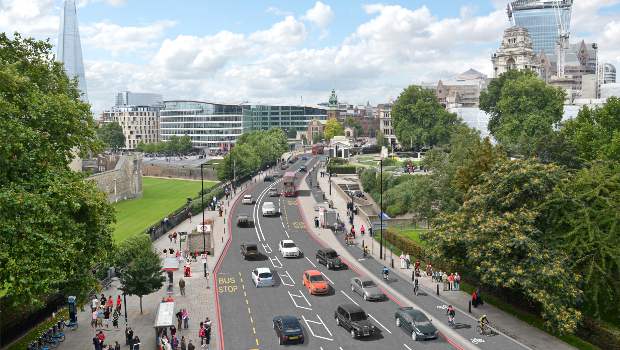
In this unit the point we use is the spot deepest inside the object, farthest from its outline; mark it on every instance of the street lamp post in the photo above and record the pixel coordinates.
(381, 207)
(125, 303)
(202, 207)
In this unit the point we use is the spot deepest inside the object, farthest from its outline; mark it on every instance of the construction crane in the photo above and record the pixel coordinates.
(563, 35)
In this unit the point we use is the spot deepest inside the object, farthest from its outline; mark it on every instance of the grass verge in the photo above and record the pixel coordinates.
(160, 197)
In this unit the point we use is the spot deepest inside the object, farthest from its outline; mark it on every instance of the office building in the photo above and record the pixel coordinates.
(70, 48)
(542, 19)
(462, 91)
(139, 123)
(212, 126)
(128, 98)
(610, 90)
(385, 123)
(265, 117)
(608, 73)
(516, 52)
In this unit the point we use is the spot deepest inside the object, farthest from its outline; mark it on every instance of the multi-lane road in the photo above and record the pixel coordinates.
(246, 312)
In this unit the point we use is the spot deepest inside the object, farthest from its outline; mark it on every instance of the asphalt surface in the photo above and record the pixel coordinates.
(247, 311)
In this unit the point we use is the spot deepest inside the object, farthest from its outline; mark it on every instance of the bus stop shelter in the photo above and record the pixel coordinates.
(164, 319)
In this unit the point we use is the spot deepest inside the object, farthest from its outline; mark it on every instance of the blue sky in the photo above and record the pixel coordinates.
(278, 51)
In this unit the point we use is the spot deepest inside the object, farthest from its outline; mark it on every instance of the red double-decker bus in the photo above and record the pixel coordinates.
(288, 182)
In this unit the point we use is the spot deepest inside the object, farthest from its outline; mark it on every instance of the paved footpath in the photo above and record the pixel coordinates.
(522, 334)
(199, 300)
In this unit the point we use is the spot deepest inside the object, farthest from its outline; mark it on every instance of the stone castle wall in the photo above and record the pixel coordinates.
(180, 172)
(124, 181)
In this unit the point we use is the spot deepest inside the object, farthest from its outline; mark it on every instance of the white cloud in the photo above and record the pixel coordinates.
(284, 33)
(114, 3)
(38, 18)
(320, 14)
(115, 38)
(278, 11)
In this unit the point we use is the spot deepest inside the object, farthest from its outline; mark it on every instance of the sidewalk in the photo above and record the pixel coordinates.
(507, 324)
(199, 298)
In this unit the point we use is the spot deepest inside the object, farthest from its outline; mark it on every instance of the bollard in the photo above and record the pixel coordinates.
(222, 239)
(224, 221)
(392, 263)
(469, 306)
(437, 288)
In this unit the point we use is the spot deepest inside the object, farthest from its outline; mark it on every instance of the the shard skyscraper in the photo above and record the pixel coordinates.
(69, 46)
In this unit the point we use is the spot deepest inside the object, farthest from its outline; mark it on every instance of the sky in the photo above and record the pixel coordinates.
(287, 52)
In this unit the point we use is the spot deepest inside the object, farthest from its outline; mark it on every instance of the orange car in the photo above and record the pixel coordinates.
(314, 281)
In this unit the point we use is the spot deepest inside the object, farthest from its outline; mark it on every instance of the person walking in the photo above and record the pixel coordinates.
(451, 282)
(117, 346)
(93, 321)
(190, 345)
(183, 345)
(185, 316)
(135, 343)
(115, 315)
(457, 281)
(100, 317)
(118, 302)
(407, 260)
(106, 317)
(402, 260)
(179, 316)
(97, 343)
(182, 287)
(362, 230)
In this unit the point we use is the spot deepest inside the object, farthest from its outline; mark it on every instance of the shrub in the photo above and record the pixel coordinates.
(405, 244)
(342, 169)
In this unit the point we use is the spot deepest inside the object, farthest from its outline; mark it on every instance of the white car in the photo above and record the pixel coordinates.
(288, 249)
(262, 277)
(269, 209)
(247, 199)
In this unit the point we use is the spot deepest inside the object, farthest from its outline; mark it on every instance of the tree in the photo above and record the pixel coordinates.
(185, 144)
(316, 138)
(524, 110)
(55, 226)
(381, 139)
(497, 231)
(291, 133)
(142, 276)
(111, 134)
(595, 133)
(333, 128)
(582, 219)
(355, 124)
(420, 121)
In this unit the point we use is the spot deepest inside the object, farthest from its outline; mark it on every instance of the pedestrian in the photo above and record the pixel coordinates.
(479, 297)
(444, 279)
(183, 345)
(101, 337)
(413, 275)
(127, 336)
(100, 317)
(174, 342)
(474, 299)
(118, 302)
(135, 343)
(408, 260)
(402, 260)
(202, 333)
(316, 222)
(190, 346)
(417, 264)
(117, 346)
(174, 237)
(457, 281)
(97, 343)
(94, 304)
(93, 321)
(352, 231)
(106, 317)
(170, 237)
(189, 216)
(110, 303)
(362, 230)
(429, 269)
(370, 231)
(102, 300)
(185, 316)
(115, 316)
(451, 281)
(179, 316)
(182, 286)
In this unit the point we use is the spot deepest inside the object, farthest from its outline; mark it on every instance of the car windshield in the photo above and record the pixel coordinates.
(251, 247)
(419, 318)
(288, 245)
(268, 205)
(291, 325)
(264, 275)
(316, 278)
(247, 197)
(368, 284)
(358, 316)
(331, 254)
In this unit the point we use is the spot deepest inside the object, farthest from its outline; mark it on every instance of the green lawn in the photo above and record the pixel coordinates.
(412, 233)
(160, 197)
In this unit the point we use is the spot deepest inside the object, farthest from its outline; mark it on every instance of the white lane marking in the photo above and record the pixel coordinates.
(289, 277)
(255, 212)
(299, 296)
(340, 348)
(287, 236)
(277, 260)
(307, 321)
(348, 297)
(324, 275)
(379, 323)
(407, 347)
(310, 261)
(267, 248)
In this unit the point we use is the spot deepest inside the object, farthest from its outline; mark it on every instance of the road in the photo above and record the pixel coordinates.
(246, 311)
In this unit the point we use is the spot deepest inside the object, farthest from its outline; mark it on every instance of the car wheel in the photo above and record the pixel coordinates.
(280, 341)
(397, 322)
(352, 333)
(414, 336)
(329, 266)
(337, 321)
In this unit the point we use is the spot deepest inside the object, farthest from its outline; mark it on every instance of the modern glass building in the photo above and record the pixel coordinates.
(70, 48)
(265, 117)
(541, 19)
(210, 125)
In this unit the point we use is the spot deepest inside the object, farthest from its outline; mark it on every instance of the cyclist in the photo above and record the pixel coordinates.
(483, 322)
(386, 273)
(451, 313)
(416, 286)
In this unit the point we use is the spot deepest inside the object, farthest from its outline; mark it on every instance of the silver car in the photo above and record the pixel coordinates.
(366, 288)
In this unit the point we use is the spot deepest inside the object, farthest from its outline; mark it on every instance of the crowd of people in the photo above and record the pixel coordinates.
(169, 338)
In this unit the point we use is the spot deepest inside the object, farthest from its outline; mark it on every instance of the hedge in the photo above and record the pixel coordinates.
(342, 169)
(404, 244)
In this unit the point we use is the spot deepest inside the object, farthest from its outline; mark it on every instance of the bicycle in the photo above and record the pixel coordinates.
(386, 273)
(416, 289)
(484, 330)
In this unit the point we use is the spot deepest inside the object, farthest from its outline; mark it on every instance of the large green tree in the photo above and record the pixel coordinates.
(142, 275)
(111, 134)
(355, 124)
(497, 233)
(582, 219)
(524, 110)
(333, 128)
(55, 226)
(420, 121)
(595, 132)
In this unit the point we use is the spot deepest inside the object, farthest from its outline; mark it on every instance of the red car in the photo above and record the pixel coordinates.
(314, 281)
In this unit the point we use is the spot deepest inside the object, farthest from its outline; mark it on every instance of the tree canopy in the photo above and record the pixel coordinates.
(176, 145)
(420, 121)
(55, 226)
(524, 110)
(333, 128)
(111, 134)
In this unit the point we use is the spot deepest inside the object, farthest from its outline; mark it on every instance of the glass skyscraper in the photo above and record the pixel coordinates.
(541, 19)
(265, 117)
(69, 46)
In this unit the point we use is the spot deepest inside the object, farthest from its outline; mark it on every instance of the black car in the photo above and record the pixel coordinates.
(302, 169)
(268, 178)
(329, 258)
(288, 329)
(249, 251)
(415, 323)
(244, 221)
(352, 318)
